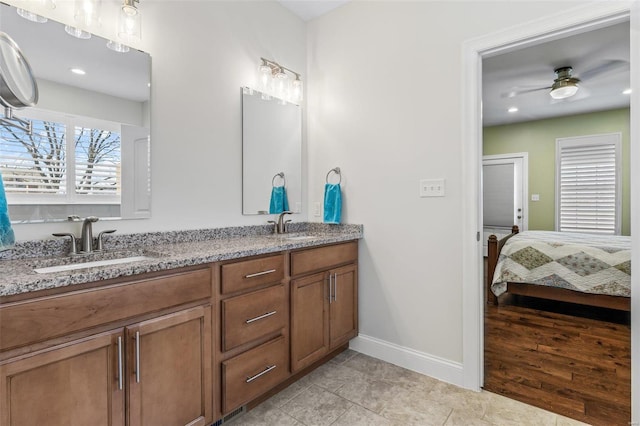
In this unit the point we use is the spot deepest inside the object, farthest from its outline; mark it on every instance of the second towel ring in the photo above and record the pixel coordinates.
(281, 175)
(335, 170)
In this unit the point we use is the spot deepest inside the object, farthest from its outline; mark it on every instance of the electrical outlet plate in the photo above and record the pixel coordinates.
(432, 188)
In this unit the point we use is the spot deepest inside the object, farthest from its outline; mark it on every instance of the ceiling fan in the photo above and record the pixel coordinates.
(566, 84)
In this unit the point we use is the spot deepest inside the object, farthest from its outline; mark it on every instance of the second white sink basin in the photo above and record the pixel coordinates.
(93, 264)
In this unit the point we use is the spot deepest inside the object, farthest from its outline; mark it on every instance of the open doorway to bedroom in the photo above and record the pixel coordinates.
(559, 334)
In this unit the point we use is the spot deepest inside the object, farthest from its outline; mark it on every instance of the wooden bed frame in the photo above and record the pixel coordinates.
(544, 292)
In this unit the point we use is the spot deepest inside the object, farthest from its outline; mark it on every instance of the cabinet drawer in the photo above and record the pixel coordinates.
(36, 320)
(320, 258)
(252, 273)
(247, 317)
(252, 373)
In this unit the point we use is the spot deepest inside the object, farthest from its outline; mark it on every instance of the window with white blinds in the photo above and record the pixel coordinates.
(588, 184)
(63, 160)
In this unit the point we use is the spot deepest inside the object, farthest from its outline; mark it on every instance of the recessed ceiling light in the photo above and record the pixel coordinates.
(513, 109)
(626, 92)
(78, 71)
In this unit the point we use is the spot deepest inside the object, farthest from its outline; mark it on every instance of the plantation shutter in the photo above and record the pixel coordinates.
(588, 184)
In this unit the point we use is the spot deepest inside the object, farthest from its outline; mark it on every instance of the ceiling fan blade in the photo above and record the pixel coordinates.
(518, 92)
(607, 66)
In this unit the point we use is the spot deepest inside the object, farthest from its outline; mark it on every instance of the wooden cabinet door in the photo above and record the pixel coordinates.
(71, 384)
(309, 320)
(343, 316)
(170, 369)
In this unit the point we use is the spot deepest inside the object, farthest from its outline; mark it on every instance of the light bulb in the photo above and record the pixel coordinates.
(117, 47)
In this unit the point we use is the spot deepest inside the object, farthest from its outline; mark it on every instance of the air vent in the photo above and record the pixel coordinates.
(230, 416)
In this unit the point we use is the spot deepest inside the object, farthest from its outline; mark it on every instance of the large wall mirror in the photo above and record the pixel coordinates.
(89, 151)
(271, 152)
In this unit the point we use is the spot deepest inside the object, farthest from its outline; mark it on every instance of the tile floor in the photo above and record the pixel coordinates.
(354, 389)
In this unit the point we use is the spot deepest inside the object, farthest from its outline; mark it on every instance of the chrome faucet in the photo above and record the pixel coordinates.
(281, 225)
(87, 234)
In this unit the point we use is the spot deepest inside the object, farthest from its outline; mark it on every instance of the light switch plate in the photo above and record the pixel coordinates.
(432, 188)
(316, 209)
(535, 197)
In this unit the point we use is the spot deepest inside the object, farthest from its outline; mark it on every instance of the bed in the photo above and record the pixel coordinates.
(586, 269)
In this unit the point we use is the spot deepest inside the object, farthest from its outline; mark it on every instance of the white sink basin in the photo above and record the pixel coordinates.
(93, 264)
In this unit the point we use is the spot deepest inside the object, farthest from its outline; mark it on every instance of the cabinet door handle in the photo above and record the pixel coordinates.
(120, 384)
(263, 372)
(335, 287)
(257, 274)
(330, 289)
(268, 314)
(137, 357)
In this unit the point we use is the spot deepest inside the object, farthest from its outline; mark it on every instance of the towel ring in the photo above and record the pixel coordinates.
(281, 175)
(335, 170)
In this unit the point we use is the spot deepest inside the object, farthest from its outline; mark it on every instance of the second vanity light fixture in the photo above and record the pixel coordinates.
(274, 80)
(87, 14)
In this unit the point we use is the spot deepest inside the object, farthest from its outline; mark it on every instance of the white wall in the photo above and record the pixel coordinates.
(384, 104)
(202, 53)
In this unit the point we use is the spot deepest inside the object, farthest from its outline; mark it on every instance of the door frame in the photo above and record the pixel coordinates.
(580, 19)
(524, 156)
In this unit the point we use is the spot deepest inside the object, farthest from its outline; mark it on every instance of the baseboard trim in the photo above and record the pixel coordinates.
(430, 365)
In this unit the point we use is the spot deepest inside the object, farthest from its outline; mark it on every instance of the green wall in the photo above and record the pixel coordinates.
(538, 138)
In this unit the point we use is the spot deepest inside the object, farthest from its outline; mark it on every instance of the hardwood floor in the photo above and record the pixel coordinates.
(569, 364)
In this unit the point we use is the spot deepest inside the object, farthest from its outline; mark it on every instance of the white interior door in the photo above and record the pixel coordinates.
(504, 191)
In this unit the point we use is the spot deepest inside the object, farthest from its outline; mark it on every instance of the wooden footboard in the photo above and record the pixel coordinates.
(493, 251)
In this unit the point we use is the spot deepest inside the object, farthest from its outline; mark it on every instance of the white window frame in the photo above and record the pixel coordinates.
(70, 197)
(592, 140)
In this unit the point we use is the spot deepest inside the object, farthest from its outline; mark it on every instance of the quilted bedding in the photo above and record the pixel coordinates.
(581, 262)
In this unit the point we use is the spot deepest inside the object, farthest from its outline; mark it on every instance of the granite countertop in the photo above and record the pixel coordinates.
(162, 251)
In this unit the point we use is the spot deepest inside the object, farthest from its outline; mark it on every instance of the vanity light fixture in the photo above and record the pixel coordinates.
(129, 21)
(273, 80)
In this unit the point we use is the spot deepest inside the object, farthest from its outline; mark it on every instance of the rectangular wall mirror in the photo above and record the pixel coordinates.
(271, 145)
(89, 152)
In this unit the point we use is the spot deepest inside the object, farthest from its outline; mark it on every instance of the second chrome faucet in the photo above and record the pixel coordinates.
(86, 245)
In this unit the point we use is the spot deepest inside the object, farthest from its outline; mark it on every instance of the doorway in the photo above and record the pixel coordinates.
(562, 24)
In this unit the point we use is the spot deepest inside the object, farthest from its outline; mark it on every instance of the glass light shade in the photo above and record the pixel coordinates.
(281, 85)
(297, 90)
(87, 12)
(30, 16)
(563, 90)
(77, 32)
(117, 47)
(264, 78)
(129, 23)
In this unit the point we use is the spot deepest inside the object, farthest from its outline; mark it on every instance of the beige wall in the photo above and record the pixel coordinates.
(538, 138)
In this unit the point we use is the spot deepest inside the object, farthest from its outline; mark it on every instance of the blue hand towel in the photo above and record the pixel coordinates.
(7, 237)
(332, 203)
(279, 202)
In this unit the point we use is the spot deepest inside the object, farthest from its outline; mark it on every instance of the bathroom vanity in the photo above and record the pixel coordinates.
(184, 337)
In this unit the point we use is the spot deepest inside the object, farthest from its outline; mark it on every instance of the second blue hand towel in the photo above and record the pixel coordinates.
(332, 203)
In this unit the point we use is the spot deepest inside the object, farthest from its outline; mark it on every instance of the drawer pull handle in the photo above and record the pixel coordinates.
(268, 314)
(120, 363)
(265, 371)
(257, 274)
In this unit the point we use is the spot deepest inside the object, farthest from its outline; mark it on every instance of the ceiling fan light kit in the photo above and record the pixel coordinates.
(564, 86)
